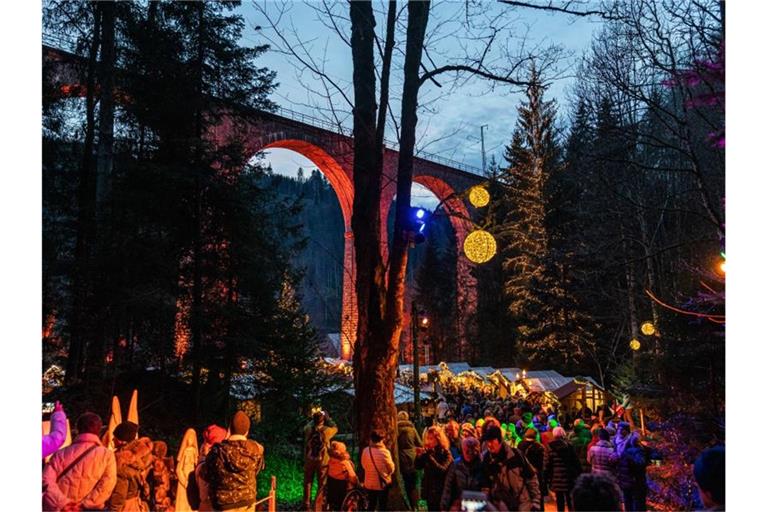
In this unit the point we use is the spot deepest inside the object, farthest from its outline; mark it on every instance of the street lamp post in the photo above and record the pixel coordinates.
(416, 380)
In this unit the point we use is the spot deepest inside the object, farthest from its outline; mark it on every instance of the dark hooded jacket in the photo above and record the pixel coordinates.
(462, 476)
(563, 466)
(435, 464)
(513, 479)
(231, 468)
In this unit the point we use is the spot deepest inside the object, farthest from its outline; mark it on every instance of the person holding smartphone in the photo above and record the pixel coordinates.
(58, 434)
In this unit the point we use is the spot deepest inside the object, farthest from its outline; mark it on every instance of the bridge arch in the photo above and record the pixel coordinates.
(331, 149)
(459, 216)
(341, 181)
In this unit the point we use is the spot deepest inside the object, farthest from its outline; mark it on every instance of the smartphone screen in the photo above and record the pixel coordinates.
(48, 407)
(473, 501)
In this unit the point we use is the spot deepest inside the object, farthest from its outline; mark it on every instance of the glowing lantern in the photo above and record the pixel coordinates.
(648, 328)
(479, 246)
(634, 344)
(479, 196)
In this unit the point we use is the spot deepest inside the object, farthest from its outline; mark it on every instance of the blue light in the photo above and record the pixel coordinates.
(420, 213)
(421, 228)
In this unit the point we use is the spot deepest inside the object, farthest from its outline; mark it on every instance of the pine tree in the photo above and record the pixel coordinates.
(534, 282)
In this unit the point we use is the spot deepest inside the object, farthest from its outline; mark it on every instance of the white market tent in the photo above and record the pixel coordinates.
(403, 394)
(483, 371)
(545, 380)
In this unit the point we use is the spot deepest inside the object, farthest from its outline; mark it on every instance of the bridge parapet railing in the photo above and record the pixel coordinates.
(68, 44)
(346, 131)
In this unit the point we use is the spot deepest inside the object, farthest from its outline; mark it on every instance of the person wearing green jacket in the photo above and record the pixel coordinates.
(408, 440)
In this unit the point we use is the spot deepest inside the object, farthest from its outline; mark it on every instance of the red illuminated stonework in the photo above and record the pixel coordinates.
(332, 153)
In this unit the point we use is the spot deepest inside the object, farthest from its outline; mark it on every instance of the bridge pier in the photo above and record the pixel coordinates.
(348, 334)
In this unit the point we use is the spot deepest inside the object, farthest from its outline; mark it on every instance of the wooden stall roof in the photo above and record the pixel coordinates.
(483, 371)
(545, 380)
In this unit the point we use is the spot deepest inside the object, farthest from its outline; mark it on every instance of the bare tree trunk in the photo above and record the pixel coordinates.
(648, 252)
(85, 199)
(372, 388)
(106, 106)
(197, 243)
(105, 71)
(386, 65)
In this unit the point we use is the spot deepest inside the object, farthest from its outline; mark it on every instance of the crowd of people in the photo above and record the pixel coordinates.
(136, 474)
(477, 463)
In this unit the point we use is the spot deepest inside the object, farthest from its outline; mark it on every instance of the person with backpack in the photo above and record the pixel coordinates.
(212, 436)
(232, 466)
(82, 475)
(317, 438)
(562, 469)
(132, 456)
(379, 469)
(536, 455)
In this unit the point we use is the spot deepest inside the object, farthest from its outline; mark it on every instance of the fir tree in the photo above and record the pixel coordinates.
(534, 277)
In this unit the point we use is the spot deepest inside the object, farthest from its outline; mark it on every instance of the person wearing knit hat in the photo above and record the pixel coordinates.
(132, 458)
(125, 432)
(212, 435)
(240, 424)
(231, 468)
(467, 430)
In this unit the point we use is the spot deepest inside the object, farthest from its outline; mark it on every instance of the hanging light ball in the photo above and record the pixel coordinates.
(479, 196)
(634, 344)
(648, 328)
(479, 246)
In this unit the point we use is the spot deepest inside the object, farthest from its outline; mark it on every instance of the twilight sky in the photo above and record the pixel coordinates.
(450, 123)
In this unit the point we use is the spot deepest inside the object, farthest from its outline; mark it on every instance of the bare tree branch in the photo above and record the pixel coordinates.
(565, 8)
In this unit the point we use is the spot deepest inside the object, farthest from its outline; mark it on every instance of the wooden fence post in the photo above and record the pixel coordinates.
(272, 504)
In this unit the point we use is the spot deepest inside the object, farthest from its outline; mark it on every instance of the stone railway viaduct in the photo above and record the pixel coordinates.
(332, 152)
